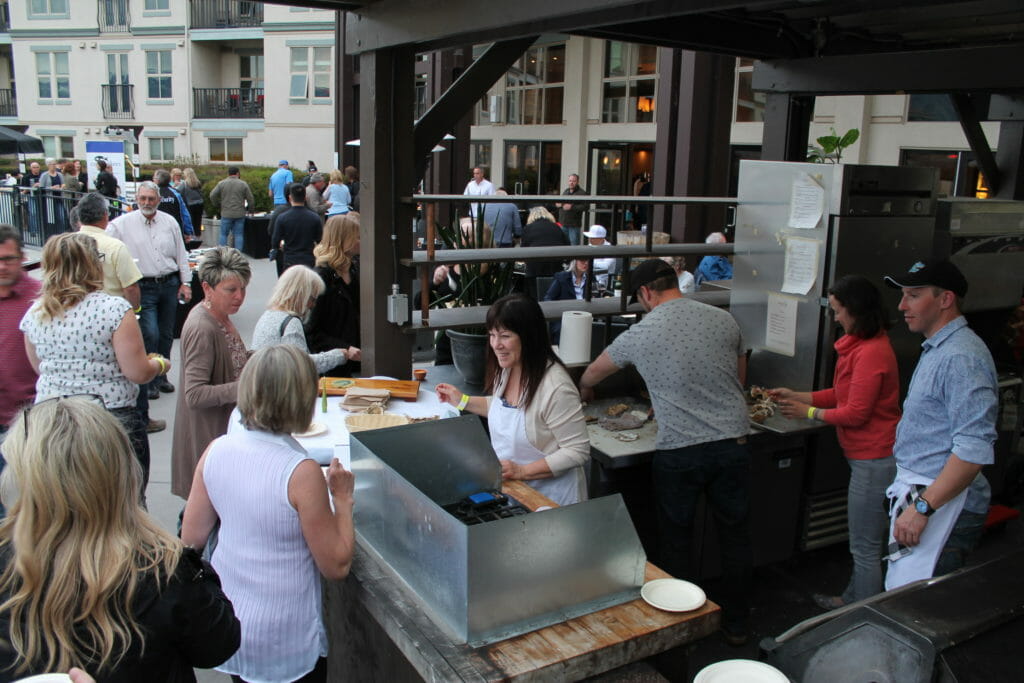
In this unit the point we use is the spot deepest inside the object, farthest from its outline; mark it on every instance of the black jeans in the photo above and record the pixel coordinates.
(720, 470)
(317, 675)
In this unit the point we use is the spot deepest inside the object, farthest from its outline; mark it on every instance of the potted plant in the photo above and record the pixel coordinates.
(475, 284)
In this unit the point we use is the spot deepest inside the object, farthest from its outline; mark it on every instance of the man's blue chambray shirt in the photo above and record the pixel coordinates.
(951, 407)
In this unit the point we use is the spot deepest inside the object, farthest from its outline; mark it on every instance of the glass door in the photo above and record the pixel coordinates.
(608, 176)
(117, 78)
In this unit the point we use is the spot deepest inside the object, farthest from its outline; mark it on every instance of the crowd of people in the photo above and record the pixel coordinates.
(89, 580)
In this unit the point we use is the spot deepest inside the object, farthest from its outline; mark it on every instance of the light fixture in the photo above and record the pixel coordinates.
(352, 143)
(448, 136)
(645, 104)
(438, 148)
(182, 131)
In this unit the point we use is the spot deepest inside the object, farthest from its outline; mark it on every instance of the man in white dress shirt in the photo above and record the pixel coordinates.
(476, 187)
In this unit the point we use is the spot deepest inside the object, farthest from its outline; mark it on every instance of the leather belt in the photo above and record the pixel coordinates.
(160, 279)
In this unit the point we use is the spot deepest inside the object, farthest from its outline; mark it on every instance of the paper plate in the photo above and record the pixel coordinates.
(46, 678)
(315, 429)
(673, 595)
(740, 671)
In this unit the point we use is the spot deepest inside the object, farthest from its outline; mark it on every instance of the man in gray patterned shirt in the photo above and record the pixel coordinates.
(692, 359)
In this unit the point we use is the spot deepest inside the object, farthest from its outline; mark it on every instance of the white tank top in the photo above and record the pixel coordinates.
(265, 566)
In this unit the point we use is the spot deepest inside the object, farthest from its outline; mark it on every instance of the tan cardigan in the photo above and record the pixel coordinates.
(206, 395)
(554, 420)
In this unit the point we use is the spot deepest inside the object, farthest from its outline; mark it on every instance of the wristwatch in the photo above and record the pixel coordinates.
(923, 507)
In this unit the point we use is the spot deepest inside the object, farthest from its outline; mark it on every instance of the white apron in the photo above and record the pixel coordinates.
(920, 563)
(508, 438)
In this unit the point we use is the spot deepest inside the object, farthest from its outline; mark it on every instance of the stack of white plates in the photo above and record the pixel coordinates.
(740, 671)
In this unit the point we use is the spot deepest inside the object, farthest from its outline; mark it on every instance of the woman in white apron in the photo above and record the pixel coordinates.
(533, 409)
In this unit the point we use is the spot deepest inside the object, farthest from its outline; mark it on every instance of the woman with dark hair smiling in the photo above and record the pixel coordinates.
(863, 404)
(533, 411)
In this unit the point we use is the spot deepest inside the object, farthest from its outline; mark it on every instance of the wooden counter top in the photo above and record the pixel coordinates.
(377, 632)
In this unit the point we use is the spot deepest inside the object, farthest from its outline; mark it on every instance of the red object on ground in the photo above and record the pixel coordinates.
(999, 514)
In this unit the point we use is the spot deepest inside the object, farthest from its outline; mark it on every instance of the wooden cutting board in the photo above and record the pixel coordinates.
(404, 389)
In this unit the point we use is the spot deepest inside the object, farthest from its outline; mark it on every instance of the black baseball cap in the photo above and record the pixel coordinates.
(931, 273)
(646, 273)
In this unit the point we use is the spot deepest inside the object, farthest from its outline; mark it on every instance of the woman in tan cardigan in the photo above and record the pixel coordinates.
(534, 412)
(212, 358)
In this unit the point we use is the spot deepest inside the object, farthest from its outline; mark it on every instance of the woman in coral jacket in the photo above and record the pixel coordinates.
(863, 404)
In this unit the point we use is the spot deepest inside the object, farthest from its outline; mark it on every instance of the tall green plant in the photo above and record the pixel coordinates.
(480, 284)
(832, 146)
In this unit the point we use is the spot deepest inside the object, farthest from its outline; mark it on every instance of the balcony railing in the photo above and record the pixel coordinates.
(8, 102)
(227, 103)
(226, 14)
(113, 16)
(118, 101)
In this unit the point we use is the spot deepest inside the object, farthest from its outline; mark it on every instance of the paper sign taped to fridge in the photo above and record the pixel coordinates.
(806, 203)
(780, 326)
(801, 268)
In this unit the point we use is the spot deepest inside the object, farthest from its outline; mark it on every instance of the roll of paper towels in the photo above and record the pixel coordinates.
(574, 345)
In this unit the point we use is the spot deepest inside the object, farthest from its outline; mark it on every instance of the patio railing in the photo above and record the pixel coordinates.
(227, 103)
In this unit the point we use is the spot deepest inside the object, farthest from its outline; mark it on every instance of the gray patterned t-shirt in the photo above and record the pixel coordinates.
(76, 352)
(687, 354)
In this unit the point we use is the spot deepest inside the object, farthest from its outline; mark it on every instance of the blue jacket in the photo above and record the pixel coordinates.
(562, 288)
(713, 268)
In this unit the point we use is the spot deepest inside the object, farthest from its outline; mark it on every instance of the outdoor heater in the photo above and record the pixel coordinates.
(481, 567)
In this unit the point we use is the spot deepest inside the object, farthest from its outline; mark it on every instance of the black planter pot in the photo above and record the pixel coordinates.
(468, 355)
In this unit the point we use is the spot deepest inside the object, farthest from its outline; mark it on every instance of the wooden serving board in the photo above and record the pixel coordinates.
(404, 389)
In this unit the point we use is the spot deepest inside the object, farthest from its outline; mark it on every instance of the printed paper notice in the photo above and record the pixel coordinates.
(801, 265)
(806, 203)
(780, 328)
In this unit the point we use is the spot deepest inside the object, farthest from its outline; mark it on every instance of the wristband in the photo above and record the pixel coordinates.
(163, 365)
(137, 310)
(810, 413)
(463, 403)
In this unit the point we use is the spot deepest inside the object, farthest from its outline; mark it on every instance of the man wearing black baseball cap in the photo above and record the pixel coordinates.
(693, 361)
(939, 500)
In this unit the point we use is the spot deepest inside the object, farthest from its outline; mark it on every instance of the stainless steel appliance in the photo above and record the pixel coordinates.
(479, 580)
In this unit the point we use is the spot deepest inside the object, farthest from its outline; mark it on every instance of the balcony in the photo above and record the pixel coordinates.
(118, 101)
(113, 16)
(8, 102)
(226, 14)
(227, 103)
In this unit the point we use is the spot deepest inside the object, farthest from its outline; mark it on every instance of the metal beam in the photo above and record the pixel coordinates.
(1010, 159)
(385, 118)
(981, 69)
(463, 94)
(967, 112)
(432, 25)
(787, 122)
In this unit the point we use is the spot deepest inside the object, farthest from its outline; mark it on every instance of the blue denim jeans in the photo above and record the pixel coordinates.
(720, 470)
(867, 517)
(572, 234)
(159, 307)
(235, 226)
(962, 540)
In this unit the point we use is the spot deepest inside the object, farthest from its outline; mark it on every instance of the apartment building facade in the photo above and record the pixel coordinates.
(243, 82)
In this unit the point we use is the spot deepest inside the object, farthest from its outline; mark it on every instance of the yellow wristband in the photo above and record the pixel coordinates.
(810, 413)
(137, 310)
(464, 402)
(163, 365)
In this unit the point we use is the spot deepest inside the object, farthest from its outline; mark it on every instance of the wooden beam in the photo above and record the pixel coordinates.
(386, 108)
(978, 69)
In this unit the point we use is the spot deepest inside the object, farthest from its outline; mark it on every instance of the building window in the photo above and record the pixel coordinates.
(480, 155)
(533, 167)
(158, 4)
(630, 78)
(52, 70)
(58, 146)
(304, 71)
(931, 108)
(420, 95)
(48, 8)
(226, 149)
(161, 149)
(158, 74)
(251, 72)
(533, 86)
(749, 104)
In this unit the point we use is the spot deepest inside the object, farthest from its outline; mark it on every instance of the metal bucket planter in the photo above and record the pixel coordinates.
(468, 354)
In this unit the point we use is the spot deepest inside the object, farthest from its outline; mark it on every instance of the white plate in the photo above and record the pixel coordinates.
(315, 429)
(673, 595)
(740, 671)
(46, 678)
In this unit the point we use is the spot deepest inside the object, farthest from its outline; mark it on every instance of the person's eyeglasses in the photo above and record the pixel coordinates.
(88, 397)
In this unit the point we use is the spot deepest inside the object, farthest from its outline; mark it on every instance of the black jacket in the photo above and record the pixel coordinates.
(543, 233)
(106, 184)
(334, 320)
(188, 622)
(300, 229)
